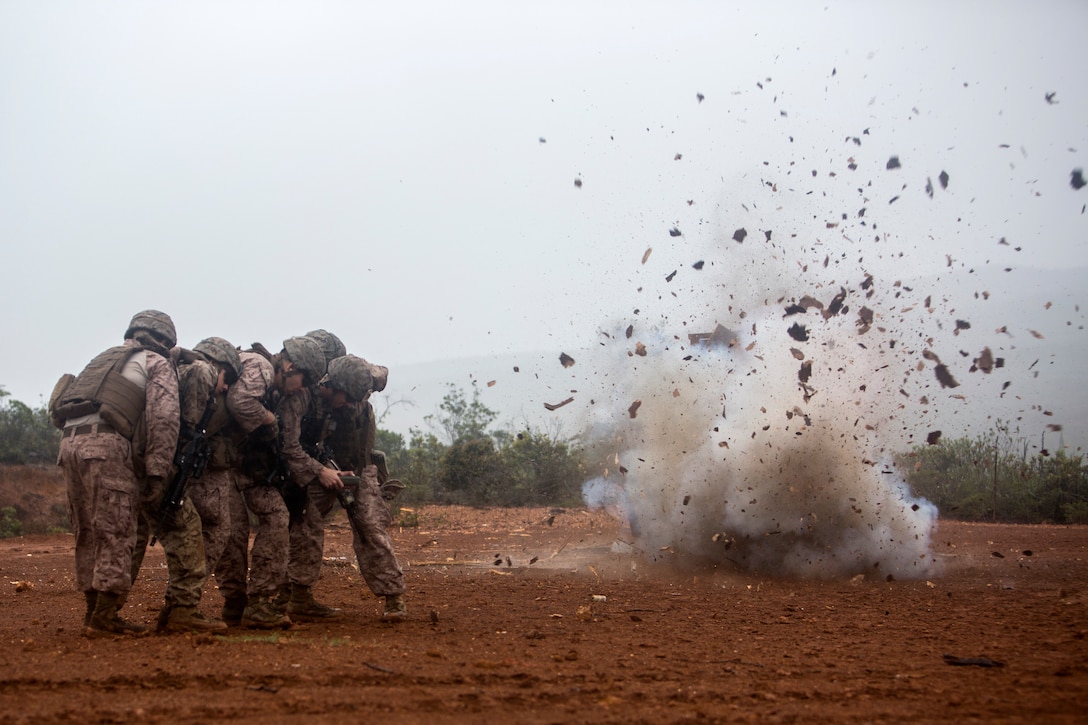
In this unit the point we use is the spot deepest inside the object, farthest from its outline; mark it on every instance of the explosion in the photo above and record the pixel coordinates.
(764, 444)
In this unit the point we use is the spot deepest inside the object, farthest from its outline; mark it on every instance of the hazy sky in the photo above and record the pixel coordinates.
(404, 174)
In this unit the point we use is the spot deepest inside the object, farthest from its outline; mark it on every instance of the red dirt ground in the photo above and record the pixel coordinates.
(529, 616)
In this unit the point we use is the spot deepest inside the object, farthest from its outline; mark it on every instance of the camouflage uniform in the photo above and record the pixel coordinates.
(181, 536)
(181, 542)
(210, 492)
(311, 502)
(247, 401)
(103, 472)
(348, 433)
(374, 549)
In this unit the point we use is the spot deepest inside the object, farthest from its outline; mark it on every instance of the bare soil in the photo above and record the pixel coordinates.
(537, 616)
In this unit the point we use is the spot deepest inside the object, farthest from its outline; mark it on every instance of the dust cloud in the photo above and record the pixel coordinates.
(748, 418)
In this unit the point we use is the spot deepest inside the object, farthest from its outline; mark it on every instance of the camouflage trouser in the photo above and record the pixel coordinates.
(102, 503)
(374, 548)
(267, 561)
(181, 541)
(232, 568)
(210, 496)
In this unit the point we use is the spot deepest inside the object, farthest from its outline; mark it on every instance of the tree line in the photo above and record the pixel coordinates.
(462, 459)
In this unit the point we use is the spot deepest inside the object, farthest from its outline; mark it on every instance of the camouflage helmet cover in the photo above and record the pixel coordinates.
(307, 356)
(155, 322)
(355, 376)
(330, 344)
(222, 352)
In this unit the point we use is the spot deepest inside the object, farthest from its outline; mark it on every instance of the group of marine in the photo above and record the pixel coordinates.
(193, 448)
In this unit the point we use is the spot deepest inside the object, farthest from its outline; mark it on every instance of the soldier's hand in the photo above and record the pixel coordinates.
(330, 479)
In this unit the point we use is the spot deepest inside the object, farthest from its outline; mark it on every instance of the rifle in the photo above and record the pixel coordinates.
(279, 475)
(323, 454)
(190, 460)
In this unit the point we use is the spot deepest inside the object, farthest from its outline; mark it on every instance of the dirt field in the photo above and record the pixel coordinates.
(533, 616)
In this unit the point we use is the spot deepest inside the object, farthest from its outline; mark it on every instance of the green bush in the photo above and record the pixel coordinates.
(26, 434)
(992, 478)
(477, 466)
(10, 525)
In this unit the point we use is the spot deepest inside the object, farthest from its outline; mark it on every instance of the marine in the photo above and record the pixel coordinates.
(120, 420)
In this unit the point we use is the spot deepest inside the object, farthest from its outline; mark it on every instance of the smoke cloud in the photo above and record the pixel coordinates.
(747, 418)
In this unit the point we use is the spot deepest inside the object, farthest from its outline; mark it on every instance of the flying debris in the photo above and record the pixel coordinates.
(1050, 97)
(557, 406)
(740, 234)
(798, 332)
(984, 362)
(805, 372)
(578, 182)
(699, 97)
(893, 163)
(943, 178)
(865, 320)
(933, 438)
(1076, 179)
(674, 232)
(566, 360)
(633, 410)
(943, 376)
(720, 337)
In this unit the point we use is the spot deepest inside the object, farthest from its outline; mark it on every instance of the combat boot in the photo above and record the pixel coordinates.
(395, 609)
(92, 599)
(188, 619)
(304, 608)
(261, 613)
(391, 489)
(164, 615)
(104, 620)
(233, 608)
(283, 596)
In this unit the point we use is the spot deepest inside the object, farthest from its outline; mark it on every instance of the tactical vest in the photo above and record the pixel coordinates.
(343, 438)
(102, 389)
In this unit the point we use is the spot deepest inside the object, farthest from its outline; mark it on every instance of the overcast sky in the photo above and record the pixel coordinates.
(404, 174)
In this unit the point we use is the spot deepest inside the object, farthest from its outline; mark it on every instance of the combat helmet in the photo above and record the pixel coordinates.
(307, 356)
(219, 350)
(356, 377)
(161, 334)
(330, 344)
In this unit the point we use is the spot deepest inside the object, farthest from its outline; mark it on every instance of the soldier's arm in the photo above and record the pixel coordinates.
(244, 401)
(303, 467)
(162, 412)
(196, 383)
